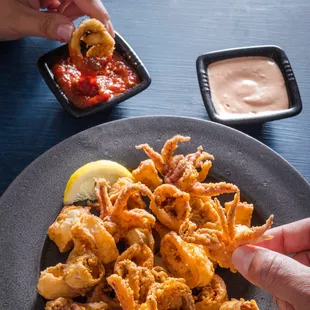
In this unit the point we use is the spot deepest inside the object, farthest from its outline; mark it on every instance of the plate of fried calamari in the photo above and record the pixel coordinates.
(143, 213)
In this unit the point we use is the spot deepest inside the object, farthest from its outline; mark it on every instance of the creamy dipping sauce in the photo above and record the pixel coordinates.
(247, 85)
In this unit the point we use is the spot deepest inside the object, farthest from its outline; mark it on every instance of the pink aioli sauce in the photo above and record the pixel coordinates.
(247, 85)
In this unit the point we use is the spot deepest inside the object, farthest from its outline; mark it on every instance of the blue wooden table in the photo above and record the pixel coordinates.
(168, 35)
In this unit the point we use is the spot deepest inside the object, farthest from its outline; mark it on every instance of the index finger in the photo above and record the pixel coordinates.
(290, 238)
(95, 9)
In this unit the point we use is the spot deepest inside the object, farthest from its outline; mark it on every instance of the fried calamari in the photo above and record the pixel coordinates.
(186, 260)
(96, 36)
(147, 174)
(68, 304)
(221, 243)
(171, 206)
(153, 241)
(211, 296)
(241, 304)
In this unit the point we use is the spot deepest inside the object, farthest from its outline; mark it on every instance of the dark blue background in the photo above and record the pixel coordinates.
(168, 35)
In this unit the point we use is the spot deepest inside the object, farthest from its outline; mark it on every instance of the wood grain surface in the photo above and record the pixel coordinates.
(168, 35)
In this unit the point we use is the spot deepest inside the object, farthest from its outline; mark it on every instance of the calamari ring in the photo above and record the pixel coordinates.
(212, 296)
(186, 260)
(89, 231)
(60, 230)
(52, 284)
(84, 271)
(173, 293)
(171, 206)
(94, 34)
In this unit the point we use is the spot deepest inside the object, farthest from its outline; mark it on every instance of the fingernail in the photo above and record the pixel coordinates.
(64, 32)
(242, 258)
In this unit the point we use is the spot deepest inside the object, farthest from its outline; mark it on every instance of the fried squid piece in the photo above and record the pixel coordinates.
(147, 174)
(241, 304)
(186, 260)
(71, 279)
(140, 254)
(173, 293)
(52, 284)
(220, 243)
(202, 161)
(244, 213)
(95, 35)
(135, 199)
(162, 160)
(67, 304)
(212, 296)
(179, 170)
(140, 235)
(135, 218)
(84, 271)
(203, 214)
(89, 231)
(104, 292)
(171, 206)
(133, 225)
(212, 189)
(131, 283)
(185, 172)
(60, 230)
(133, 276)
(125, 193)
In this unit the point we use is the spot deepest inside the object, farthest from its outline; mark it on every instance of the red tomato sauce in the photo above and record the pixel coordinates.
(85, 90)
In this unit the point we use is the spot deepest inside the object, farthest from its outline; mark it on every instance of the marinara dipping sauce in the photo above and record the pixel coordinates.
(88, 88)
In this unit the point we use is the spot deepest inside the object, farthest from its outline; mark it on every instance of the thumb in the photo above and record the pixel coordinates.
(278, 274)
(47, 25)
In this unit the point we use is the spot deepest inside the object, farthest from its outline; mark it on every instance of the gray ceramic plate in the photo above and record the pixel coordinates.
(34, 199)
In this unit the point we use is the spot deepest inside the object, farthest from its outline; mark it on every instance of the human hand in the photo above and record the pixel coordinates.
(21, 18)
(267, 266)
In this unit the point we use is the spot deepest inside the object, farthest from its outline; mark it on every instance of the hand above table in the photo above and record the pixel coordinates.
(25, 18)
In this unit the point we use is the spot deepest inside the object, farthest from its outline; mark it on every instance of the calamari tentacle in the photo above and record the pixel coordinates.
(124, 195)
(156, 157)
(246, 235)
(101, 191)
(222, 217)
(212, 189)
(231, 215)
(203, 173)
(171, 145)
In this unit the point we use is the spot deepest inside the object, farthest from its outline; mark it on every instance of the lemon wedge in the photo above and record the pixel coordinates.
(81, 183)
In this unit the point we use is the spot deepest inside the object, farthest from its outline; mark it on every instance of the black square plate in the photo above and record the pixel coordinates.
(46, 62)
(273, 52)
